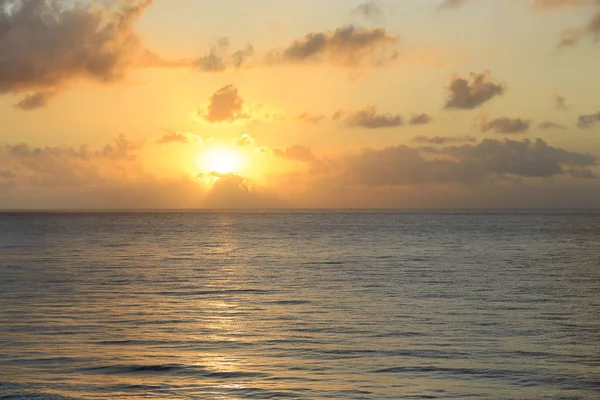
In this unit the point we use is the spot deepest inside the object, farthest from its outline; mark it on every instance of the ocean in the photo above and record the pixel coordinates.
(300, 305)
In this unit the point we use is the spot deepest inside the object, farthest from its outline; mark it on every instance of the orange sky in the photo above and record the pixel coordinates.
(300, 104)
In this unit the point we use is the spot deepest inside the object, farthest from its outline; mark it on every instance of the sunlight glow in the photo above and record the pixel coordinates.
(222, 160)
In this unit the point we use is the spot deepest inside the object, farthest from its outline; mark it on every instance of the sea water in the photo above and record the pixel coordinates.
(300, 305)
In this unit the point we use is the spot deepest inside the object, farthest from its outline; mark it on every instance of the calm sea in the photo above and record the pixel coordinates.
(300, 305)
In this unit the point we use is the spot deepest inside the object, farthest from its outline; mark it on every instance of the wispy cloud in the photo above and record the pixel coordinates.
(453, 3)
(506, 125)
(370, 9)
(546, 125)
(588, 120)
(444, 139)
(371, 118)
(219, 59)
(349, 46)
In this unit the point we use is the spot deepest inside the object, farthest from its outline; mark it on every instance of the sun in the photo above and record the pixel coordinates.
(222, 160)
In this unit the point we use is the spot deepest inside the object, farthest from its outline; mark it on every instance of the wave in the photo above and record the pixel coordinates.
(176, 369)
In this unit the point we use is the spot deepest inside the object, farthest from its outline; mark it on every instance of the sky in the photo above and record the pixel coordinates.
(194, 104)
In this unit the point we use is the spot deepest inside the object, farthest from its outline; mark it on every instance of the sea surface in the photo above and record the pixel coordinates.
(300, 305)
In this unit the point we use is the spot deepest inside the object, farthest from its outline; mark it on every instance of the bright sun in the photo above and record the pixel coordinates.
(221, 160)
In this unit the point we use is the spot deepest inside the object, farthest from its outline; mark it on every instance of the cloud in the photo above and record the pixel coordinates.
(121, 149)
(217, 59)
(349, 46)
(486, 161)
(112, 177)
(444, 139)
(7, 174)
(588, 120)
(231, 191)
(240, 56)
(370, 9)
(225, 105)
(556, 4)
(311, 118)
(213, 60)
(420, 119)
(573, 36)
(35, 100)
(506, 125)
(367, 117)
(453, 3)
(370, 118)
(521, 158)
(551, 125)
(560, 102)
(245, 140)
(338, 115)
(465, 175)
(45, 45)
(468, 94)
(71, 166)
(172, 137)
(296, 153)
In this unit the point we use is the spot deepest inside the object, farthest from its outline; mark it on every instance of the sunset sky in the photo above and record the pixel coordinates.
(300, 104)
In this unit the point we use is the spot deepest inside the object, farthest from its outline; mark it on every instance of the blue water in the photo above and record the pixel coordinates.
(300, 305)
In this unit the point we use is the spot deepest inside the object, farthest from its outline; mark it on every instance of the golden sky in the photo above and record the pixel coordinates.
(300, 104)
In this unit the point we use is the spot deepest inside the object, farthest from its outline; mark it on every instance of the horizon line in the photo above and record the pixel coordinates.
(286, 209)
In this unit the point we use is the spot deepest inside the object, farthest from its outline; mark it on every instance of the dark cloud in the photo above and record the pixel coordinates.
(349, 46)
(35, 100)
(551, 125)
(467, 94)
(522, 158)
(44, 45)
(370, 118)
(213, 61)
(421, 119)
(486, 161)
(311, 118)
(560, 102)
(172, 137)
(506, 125)
(584, 173)
(444, 139)
(453, 3)
(370, 9)
(218, 57)
(296, 152)
(240, 56)
(225, 105)
(588, 120)
(337, 116)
